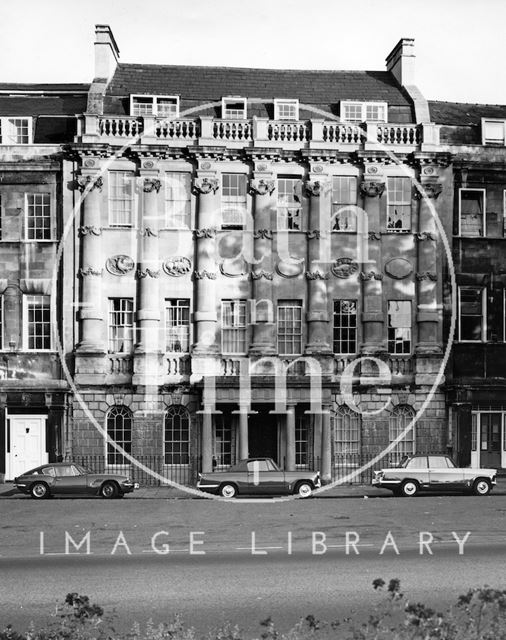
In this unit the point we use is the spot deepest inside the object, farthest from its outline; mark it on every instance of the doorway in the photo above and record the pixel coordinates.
(27, 440)
(263, 434)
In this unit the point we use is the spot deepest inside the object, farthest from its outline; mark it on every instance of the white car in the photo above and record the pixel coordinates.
(433, 473)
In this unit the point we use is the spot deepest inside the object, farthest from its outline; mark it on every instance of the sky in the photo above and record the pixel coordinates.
(460, 45)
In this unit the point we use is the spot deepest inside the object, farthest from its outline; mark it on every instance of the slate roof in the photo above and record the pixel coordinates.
(200, 84)
(464, 114)
(17, 86)
(56, 99)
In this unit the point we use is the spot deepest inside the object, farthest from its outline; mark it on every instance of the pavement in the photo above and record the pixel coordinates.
(8, 490)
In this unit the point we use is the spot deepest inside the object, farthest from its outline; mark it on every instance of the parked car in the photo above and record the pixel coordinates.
(433, 473)
(69, 478)
(259, 476)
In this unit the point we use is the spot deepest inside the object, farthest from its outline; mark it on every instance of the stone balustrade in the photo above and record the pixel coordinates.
(257, 132)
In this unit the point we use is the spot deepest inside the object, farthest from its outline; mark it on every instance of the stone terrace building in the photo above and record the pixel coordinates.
(245, 236)
(35, 120)
(476, 392)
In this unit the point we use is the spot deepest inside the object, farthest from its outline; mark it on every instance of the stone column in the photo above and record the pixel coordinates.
(426, 276)
(290, 438)
(371, 276)
(317, 315)
(91, 312)
(207, 441)
(147, 357)
(326, 465)
(263, 339)
(206, 267)
(243, 434)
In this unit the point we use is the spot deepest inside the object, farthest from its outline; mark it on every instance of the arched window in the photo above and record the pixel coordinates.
(303, 440)
(347, 432)
(119, 430)
(400, 418)
(176, 439)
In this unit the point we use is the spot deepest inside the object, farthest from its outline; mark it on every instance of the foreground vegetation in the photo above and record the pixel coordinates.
(480, 614)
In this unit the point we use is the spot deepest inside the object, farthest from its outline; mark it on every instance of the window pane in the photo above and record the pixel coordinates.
(233, 199)
(38, 322)
(400, 418)
(399, 326)
(347, 432)
(233, 326)
(121, 312)
(177, 436)
(177, 200)
(471, 313)
(344, 200)
(121, 193)
(289, 204)
(471, 212)
(142, 106)
(345, 326)
(38, 216)
(177, 325)
(224, 440)
(289, 327)
(119, 430)
(399, 204)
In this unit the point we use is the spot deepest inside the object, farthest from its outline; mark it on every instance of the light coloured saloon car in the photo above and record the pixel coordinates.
(259, 476)
(433, 473)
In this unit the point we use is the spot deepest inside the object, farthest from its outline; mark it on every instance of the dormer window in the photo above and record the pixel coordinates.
(161, 106)
(493, 131)
(15, 130)
(233, 108)
(286, 109)
(363, 111)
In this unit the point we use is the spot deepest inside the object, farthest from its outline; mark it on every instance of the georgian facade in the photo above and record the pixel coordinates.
(254, 278)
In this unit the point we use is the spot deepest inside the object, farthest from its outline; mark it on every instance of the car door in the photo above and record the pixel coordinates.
(264, 478)
(417, 469)
(443, 474)
(69, 481)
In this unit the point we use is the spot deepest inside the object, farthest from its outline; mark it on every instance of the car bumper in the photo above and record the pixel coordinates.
(129, 487)
(385, 484)
(208, 487)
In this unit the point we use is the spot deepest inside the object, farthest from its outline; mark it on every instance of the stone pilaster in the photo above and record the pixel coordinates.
(91, 270)
(427, 270)
(147, 357)
(326, 451)
(371, 190)
(264, 339)
(317, 274)
(290, 438)
(206, 267)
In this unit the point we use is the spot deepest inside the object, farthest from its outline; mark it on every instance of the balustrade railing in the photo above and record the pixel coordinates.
(298, 133)
(177, 364)
(120, 364)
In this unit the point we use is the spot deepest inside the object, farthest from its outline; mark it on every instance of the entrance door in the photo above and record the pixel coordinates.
(263, 435)
(490, 440)
(27, 444)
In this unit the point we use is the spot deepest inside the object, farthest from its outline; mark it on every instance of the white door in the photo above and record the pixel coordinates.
(27, 444)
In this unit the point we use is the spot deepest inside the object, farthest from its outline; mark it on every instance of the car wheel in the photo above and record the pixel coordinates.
(409, 488)
(109, 490)
(481, 487)
(39, 490)
(304, 489)
(228, 490)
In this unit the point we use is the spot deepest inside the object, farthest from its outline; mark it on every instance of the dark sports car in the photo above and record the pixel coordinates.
(69, 478)
(259, 476)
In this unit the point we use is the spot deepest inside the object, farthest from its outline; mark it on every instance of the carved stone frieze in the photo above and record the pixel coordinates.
(258, 275)
(263, 233)
(374, 235)
(91, 230)
(201, 275)
(89, 182)
(205, 233)
(261, 187)
(177, 266)
(371, 188)
(426, 275)
(371, 275)
(151, 184)
(428, 190)
(344, 267)
(90, 271)
(313, 188)
(317, 275)
(316, 234)
(423, 235)
(148, 232)
(205, 185)
(144, 273)
(120, 265)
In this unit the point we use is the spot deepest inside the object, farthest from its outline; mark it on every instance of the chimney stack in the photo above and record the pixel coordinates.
(401, 62)
(106, 53)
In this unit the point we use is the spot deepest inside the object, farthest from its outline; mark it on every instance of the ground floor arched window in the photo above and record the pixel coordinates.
(119, 422)
(176, 441)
